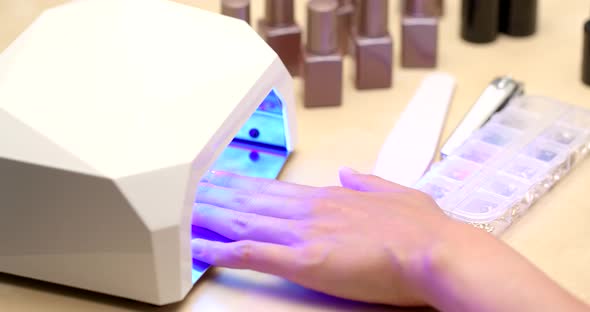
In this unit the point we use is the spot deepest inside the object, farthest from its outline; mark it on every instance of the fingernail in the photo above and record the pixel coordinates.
(348, 170)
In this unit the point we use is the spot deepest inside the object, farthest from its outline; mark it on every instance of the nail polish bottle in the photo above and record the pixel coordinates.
(586, 54)
(239, 9)
(322, 66)
(419, 35)
(518, 17)
(345, 17)
(373, 46)
(283, 35)
(479, 20)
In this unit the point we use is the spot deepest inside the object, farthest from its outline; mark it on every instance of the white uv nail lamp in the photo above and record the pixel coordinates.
(111, 111)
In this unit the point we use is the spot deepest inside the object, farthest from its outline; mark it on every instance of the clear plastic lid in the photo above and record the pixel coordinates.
(508, 164)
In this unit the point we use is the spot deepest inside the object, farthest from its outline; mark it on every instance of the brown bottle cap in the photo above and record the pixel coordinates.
(373, 21)
(239, 9)
(421, 7)
(322, 34)
(280, 12)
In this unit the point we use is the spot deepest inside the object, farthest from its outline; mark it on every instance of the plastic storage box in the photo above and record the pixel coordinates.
(509, 163)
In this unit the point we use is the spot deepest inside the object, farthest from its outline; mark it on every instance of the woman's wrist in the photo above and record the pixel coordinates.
(439, 272)
(471, 270)
(433, 271)
(455, 264)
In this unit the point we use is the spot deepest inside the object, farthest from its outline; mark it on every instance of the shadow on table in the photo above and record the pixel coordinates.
(278, 290)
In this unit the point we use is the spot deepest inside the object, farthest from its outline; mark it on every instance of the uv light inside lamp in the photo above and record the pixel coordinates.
(111, 112)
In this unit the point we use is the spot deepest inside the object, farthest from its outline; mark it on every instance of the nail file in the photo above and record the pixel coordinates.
(412, 144)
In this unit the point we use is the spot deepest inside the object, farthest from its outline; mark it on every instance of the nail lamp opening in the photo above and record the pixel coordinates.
(111, 111)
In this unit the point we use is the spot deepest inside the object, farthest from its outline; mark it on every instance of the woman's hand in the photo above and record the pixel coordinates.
(370, 240)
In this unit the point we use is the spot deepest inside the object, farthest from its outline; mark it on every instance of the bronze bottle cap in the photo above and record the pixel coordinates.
(280, 12)
(422, 8)
(322, 36)
(239, 9)
(373, 18)
(345, 14)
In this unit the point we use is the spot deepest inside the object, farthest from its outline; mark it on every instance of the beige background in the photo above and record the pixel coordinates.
(555, 235)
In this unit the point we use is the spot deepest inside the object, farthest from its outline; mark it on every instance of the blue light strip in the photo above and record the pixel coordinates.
(258, 150)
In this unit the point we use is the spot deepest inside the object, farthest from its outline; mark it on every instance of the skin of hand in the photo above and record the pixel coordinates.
(370, 240)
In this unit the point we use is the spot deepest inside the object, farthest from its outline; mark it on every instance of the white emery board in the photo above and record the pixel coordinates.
(411, 146)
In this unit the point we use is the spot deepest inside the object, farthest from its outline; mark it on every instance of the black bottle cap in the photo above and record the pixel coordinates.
(479, 20)
(586, 55)
(518, 17)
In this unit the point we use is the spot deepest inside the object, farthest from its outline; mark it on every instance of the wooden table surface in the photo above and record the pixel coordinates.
(555, 234)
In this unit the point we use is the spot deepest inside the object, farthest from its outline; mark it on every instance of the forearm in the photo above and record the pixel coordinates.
(477, 272)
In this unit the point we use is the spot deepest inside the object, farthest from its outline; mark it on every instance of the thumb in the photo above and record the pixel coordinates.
(352, 179)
